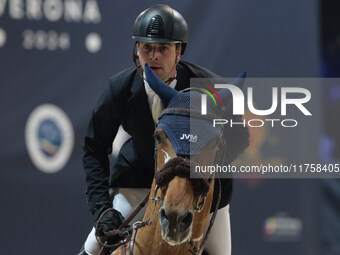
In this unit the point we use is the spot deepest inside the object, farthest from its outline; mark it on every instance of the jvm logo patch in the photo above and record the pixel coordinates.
(191, 138)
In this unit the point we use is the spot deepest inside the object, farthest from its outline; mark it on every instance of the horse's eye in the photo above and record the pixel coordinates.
(158, 138)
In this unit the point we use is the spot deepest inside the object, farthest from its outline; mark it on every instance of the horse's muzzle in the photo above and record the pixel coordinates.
(175, 228)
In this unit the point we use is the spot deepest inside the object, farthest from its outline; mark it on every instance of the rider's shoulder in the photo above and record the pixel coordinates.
(197, 71)
(123, 77)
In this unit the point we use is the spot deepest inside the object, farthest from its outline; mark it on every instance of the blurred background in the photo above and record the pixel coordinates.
(56, 57)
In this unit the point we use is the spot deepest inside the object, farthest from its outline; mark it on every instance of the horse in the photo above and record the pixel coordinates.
(178, 206)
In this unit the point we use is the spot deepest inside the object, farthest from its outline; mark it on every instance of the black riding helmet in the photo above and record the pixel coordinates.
(161, 24)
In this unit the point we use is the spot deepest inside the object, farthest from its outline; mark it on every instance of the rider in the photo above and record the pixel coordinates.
(161, 36)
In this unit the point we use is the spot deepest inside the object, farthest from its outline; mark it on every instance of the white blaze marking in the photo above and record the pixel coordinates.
(166, 156)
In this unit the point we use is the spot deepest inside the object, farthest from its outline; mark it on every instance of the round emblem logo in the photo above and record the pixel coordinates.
(49, 138)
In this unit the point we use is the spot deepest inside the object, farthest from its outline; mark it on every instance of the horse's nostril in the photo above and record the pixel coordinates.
(163, 214)
(163, 217)
(186, 221)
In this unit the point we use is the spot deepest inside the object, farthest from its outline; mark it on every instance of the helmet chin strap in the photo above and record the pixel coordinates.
(168, 81)
(135, 57)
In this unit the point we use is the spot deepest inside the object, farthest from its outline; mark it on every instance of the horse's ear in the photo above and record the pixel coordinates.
(225, 94)
(163, 90)
(239, 81)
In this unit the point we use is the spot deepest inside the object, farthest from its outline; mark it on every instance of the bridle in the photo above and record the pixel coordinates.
(200, 182)
(166, 173)
(201, 185)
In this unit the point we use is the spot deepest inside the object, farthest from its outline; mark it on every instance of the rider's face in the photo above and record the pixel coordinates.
(161, 57)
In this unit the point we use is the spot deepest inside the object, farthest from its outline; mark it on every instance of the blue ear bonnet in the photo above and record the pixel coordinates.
(188, 132)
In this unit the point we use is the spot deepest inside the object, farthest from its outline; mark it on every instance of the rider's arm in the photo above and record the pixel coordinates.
(105, 121)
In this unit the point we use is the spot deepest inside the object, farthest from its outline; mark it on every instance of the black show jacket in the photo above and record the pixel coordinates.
(124, 102)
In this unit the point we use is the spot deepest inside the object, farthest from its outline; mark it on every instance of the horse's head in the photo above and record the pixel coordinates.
(181, 194)
(184, 139)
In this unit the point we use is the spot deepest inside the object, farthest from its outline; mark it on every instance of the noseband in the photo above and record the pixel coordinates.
(180, 167)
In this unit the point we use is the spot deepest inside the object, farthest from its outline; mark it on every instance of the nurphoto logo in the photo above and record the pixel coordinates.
(289, 97)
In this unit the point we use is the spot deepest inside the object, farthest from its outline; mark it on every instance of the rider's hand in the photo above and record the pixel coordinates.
(107, 223)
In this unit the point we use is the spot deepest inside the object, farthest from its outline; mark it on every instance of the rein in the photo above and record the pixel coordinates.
(124, 232)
